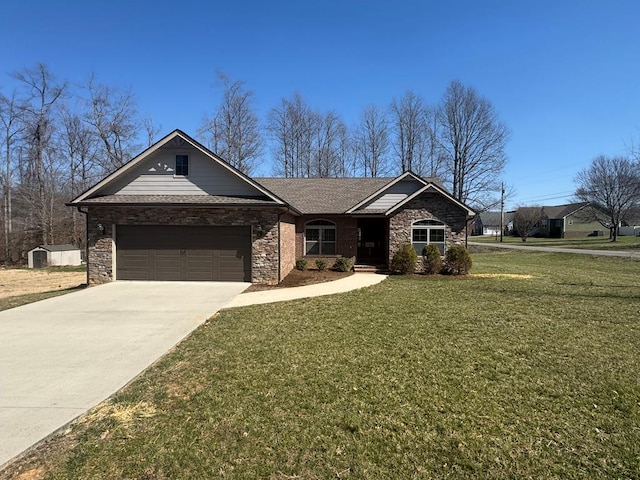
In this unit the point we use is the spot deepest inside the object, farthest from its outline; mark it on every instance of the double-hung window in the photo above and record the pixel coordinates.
(425, 232)
(320, 238)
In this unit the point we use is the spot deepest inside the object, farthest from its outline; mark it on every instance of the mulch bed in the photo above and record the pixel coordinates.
(298, 278)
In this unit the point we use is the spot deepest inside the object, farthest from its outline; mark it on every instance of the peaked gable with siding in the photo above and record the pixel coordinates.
(153, 173)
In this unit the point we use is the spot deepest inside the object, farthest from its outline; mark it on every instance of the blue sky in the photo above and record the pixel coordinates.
(563, 75)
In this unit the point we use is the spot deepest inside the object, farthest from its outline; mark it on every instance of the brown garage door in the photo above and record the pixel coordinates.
(155, 252)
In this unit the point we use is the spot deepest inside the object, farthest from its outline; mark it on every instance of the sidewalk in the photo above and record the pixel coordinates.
(605, 253)
(272, 295)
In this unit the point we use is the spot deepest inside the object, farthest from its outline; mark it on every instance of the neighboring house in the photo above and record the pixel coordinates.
(488, 223)
(178, 211)
(54, 255)
(568, 221)
(571, 220)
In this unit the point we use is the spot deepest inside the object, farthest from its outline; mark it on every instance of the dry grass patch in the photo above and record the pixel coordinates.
(22, 281)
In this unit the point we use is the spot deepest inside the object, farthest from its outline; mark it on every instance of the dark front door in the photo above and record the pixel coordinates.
(372, 241)
(154, 252)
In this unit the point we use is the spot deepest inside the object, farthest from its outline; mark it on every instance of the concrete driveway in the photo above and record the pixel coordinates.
(62, 356)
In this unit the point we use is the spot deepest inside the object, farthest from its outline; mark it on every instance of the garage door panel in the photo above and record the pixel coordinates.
(183, 253)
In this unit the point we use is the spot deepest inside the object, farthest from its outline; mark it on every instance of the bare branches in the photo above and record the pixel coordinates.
(612, 186)
(525, 219)
(472, 140)
(234, 131)
(113, 116)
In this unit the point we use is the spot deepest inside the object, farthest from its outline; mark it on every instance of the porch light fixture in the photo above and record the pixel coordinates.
(100, 228)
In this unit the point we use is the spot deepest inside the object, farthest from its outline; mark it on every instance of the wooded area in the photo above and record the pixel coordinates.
(59, 138)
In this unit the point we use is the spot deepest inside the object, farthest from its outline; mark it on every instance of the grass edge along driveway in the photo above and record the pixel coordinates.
(527, 369)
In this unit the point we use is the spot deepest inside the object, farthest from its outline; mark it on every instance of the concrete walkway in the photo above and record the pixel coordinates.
(64, 355)
(605, 253)
(352, 282)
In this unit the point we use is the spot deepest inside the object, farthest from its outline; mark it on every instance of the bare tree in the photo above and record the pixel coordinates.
(409, 128)
(612, 186)
(291, 126)
(42, 93)
(79, 147)
(472, 139)
(113, 115)
(329, 133)
(525, 219)
(234, 131)
(12, 128)
(371, 142)
(152, 130)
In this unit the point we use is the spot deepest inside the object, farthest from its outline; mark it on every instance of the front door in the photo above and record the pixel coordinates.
(372, 241)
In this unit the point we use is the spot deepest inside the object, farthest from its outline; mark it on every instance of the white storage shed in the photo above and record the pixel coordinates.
(54, 256)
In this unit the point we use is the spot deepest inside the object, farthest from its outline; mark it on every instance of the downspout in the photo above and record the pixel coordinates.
(86, 239)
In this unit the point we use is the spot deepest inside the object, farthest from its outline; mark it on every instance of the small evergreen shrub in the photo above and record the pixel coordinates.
(457, 261)
(431, 259)
(404, 260)
(301, 264)
(321, 264)
(342, 264)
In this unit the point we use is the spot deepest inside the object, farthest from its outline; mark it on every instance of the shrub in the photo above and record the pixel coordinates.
(431, 259)
(342, 264)
(301, 264)
(457, 260)
(404, 260)
(321, 264)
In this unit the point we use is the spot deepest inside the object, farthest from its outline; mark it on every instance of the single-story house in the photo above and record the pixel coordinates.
(54, 255)
(488, 223)
(177, 211)
(567, 221)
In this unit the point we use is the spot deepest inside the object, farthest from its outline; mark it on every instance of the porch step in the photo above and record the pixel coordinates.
(369, 268)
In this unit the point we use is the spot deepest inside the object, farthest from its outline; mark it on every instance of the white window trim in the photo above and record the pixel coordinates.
(429, 228)
(321, 227)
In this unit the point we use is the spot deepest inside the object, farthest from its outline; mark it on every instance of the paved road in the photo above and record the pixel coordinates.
(62, 356)
(606, 253)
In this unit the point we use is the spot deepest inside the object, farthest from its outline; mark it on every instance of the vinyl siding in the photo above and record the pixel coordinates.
(393, 195)
(155, 176)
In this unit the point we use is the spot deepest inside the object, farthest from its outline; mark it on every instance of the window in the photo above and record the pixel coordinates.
(182, 165)
(320, 238)
(424, 232)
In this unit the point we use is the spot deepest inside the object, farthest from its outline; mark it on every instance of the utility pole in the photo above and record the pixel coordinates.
(501, 210)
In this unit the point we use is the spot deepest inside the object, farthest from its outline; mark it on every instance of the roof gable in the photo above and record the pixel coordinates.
(561, 211)
(152, 174)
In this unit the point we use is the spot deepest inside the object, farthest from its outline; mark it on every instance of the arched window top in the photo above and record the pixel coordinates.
(428, 223)
(318, 223)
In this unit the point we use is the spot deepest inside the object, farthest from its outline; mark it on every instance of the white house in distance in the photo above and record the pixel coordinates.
(54, 256)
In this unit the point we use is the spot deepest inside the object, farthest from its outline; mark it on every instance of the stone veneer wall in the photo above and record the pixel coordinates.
(427, 206)
(346, 237)
(264, 223)
(287, 244)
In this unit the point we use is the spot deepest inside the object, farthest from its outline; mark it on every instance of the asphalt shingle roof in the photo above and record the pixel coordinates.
(561, 211)
(323, 195)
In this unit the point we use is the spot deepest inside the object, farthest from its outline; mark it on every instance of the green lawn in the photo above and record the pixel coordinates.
(593, 243)
(534, 374)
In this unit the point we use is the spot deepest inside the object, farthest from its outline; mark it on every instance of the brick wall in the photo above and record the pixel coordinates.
(346, 237)
(264, 223)
(428, 206)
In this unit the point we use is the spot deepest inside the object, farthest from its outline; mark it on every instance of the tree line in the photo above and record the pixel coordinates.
(59, 138)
